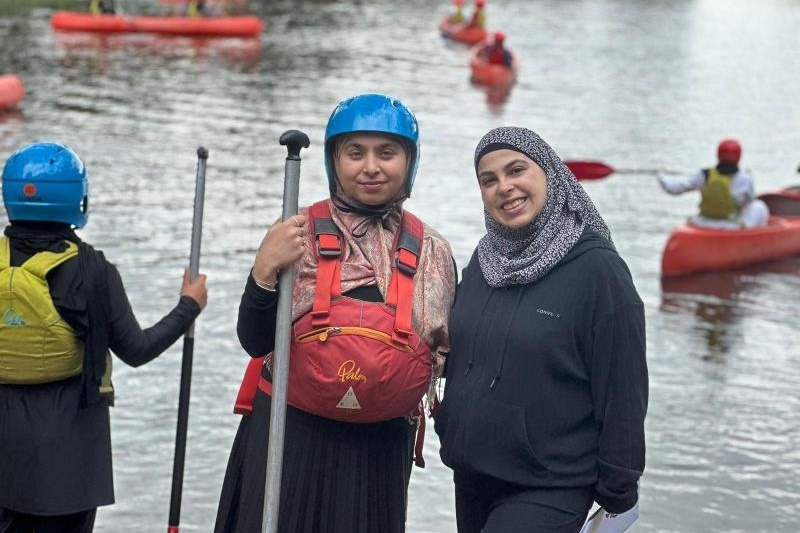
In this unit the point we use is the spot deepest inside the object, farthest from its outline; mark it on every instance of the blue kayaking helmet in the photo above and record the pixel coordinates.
(372, 113)
(46, 182)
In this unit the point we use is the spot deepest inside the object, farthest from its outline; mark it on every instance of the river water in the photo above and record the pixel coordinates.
(643, 86)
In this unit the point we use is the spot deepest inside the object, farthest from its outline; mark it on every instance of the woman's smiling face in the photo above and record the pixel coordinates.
(372, 168)
(513, 187)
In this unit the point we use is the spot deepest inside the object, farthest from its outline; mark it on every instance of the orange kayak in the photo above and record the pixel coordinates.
(12, 91)
(785, 202)
(691, 249)
(244, 26)
(487, 73)
(463, 33)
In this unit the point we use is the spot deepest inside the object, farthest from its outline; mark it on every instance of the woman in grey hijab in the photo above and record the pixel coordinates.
(546, 382)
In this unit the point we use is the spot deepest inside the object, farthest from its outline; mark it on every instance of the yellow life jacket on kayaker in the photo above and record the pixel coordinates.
(101, 7)
(194, 9)
(36, 344)
(717, 199)
(479, 19)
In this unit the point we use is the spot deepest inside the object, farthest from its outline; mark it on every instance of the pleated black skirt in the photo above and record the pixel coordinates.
(337, 477)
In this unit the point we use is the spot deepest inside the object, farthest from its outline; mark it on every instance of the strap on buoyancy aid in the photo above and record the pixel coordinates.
(407, 246)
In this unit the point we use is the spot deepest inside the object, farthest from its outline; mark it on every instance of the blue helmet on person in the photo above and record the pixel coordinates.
(46, 182)
(372, 113)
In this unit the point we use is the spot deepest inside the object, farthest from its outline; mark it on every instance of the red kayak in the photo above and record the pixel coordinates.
(491, 74)
(691, 249)
(244, 26)
(785, 202)
(463, 33)
(12, 91)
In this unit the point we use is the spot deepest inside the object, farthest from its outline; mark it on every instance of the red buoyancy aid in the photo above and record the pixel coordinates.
(496, 55)
(353, 360)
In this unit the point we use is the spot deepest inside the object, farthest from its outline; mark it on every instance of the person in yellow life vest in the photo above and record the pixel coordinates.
(457, 13)
(197, 9)
(102, 7)
(62, 308)
(479, 14)
(727, 192)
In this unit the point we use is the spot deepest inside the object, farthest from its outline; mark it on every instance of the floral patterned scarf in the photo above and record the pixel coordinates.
(367, 260)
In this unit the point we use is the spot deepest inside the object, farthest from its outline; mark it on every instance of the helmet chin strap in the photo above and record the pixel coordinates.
(376, 212)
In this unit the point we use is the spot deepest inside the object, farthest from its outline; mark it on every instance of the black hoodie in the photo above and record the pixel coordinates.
(546, 383)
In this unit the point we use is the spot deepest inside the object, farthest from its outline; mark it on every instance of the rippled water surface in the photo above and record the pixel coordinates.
(643, 86)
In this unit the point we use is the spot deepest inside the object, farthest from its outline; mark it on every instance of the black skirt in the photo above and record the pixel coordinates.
(55, 457)
(337, 477)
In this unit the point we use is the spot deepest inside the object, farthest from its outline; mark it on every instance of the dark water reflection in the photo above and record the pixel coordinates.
(640, 85)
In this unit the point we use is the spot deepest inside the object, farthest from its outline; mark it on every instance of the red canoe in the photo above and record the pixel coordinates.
(691, 249)
(244, 26)
(487, 73)
(12, 90)
(463, 33)
(785, 202)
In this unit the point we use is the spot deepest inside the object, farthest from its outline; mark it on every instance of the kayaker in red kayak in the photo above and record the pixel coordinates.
(496, 53)
(457, 14)
(102, 7)
(728, 199)
(478, 15)
(197, 9)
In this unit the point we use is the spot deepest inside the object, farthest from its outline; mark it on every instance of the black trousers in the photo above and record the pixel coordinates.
(488, 505)
(13, 522)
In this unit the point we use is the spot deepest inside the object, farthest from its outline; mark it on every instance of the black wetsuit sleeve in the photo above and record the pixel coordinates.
(134, 345)
(258, 311)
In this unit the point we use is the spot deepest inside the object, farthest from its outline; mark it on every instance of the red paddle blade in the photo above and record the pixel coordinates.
(589, 170)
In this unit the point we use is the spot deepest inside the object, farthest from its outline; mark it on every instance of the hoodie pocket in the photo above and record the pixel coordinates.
(496, 443)
(445, 428)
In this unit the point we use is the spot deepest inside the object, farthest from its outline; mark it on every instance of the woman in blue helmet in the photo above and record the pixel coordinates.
(349, 448)
(63, 307)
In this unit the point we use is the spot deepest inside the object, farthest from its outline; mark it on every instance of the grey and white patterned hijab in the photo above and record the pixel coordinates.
(516, 256)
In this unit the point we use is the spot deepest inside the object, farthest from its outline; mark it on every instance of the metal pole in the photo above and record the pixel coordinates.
(294, 141)
(188, 351)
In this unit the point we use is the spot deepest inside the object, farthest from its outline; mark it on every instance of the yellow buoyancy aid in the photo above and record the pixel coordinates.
(717, 198)
(195, 9)
(36, 344)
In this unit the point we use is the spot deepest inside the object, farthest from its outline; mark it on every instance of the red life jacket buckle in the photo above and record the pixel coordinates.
(408, 250)
(328, 240)
(328, 245)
